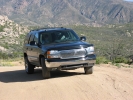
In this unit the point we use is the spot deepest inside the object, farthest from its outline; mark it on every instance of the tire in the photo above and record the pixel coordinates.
(45, 71)
(88, 70)
(29, 68)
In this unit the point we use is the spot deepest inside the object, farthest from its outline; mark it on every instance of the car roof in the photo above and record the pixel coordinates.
(51, 29)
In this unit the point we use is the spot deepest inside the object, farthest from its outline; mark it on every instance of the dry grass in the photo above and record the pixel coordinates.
(12, 62)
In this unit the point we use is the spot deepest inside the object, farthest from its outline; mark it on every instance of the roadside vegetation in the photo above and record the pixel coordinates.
(113, 43)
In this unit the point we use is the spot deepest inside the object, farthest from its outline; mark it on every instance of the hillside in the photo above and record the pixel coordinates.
(65, 12)
(11, 36)
(110, 41)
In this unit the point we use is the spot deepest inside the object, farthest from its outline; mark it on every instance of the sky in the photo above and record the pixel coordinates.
(129, 0)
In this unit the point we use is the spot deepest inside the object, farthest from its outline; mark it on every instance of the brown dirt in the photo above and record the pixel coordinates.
(106, 83)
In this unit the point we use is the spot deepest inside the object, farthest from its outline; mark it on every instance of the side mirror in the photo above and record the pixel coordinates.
(83, 38)
(32, 43)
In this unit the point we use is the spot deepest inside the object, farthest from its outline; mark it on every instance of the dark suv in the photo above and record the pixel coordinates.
(57, 49)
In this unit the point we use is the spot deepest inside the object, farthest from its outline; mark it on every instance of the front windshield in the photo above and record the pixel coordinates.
(48, 37)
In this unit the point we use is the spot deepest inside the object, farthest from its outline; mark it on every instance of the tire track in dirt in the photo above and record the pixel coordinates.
(106, 83)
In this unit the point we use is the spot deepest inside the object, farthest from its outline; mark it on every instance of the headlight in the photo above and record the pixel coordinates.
(90, 50)
(53, 54)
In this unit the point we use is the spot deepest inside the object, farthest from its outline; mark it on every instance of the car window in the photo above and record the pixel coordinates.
(36, 37)
(27, 38)
(58, 36)
(45, 38)
(61, 36)
(31, 38)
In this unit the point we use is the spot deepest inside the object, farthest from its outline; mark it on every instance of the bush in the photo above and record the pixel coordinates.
(1, 28)
(121, 60)
(100, 60)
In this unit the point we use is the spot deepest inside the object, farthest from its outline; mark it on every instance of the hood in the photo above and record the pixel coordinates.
(66, 45)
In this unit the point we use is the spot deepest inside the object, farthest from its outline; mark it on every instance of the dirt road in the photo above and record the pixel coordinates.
(106, 83)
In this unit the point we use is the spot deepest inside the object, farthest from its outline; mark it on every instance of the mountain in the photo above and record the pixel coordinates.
(65, 12)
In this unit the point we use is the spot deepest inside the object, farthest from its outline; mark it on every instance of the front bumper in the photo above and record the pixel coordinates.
(88, 61)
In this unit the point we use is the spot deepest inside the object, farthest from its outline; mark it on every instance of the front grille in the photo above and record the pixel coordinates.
(74, 53)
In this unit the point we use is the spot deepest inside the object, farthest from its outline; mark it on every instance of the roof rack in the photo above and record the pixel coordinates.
(47, 28)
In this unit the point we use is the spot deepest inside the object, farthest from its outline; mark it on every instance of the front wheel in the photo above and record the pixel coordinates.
(88, 70)
(45, 71)
(29, 68)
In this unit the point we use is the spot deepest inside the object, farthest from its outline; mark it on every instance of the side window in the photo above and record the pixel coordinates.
(31, 38)
(26, 41)
(36, 38)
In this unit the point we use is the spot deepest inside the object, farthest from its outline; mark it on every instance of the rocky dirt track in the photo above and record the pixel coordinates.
(106, 83)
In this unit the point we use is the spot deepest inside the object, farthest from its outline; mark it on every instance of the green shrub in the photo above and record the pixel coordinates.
(100, 60)
(121, 60)
(1, 28)
(117, 64)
